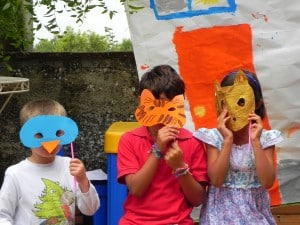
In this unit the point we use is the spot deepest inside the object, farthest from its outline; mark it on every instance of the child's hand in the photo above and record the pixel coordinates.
(77, 170)
(256, 126)
(165, 135)
(174, 156)
(222, 120)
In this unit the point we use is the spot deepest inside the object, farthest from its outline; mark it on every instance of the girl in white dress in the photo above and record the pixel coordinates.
(240, 155)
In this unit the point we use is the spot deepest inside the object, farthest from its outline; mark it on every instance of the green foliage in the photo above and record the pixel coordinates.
(125, 45)
(12, 29)
(12, 26)
(15, 28)
(89, 41)
(78, 10)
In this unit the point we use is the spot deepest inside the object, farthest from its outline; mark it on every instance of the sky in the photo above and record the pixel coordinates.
(95, 22)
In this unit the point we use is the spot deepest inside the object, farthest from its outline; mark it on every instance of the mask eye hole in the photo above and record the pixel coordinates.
(151, 108)
(241, 102)
(171, 109)
(38, 135)
(60, 133)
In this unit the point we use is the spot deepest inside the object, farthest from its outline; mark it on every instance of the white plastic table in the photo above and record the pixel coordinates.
(11, 85)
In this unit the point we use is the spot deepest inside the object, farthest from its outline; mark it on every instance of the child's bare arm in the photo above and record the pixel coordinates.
(193, 191)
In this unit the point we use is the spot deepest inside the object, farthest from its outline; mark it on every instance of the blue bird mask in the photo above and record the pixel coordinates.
(48, 131)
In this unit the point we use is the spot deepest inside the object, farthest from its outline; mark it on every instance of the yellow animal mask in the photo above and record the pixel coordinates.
(238, 99)
(153, 111)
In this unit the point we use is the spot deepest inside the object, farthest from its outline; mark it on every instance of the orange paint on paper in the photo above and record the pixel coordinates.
(260, 16)
(206, 55)
(144, 67)
(292, 130)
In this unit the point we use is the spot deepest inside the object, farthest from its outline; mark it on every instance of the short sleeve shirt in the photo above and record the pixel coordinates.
(242, 169)
(164, 198)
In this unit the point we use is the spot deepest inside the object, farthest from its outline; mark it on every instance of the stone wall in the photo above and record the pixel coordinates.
(96, 89)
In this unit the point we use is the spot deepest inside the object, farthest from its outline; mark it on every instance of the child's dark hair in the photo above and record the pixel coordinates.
(162, 79)
(254, 83)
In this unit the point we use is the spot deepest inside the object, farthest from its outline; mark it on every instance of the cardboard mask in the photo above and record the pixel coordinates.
(48, 131)
(238, 99)
(153, 111)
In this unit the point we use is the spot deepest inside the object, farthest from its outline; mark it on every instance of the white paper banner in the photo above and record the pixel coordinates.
(200, 38)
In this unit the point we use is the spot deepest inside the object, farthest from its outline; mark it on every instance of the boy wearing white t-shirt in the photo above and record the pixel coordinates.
(44, 188)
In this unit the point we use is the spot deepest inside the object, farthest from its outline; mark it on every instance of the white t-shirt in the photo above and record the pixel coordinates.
(34, 194)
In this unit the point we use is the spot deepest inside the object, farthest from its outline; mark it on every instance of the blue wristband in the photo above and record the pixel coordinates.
(156, 152)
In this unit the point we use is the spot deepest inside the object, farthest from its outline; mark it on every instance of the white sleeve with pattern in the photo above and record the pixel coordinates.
(209, 136)
(270, 137)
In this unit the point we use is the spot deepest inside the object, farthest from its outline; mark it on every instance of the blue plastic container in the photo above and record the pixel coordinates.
(117, 193)
(100, 217)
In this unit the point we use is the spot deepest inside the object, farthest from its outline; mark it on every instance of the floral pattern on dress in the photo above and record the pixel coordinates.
(241, 200)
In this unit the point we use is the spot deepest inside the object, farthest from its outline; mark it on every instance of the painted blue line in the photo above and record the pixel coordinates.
(231, 8)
